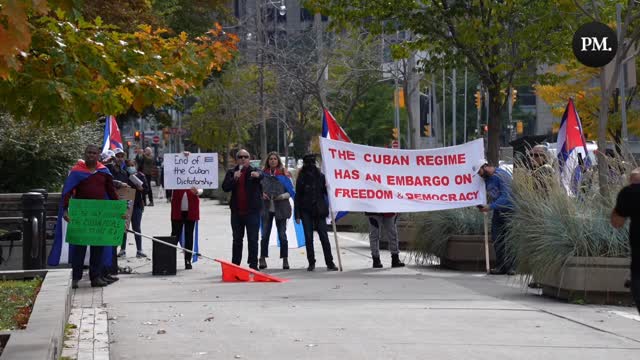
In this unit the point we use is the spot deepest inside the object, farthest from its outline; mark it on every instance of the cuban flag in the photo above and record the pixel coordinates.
(61, 251)
(332, 130)
(112, 138)
(571, 147)
(196, 247)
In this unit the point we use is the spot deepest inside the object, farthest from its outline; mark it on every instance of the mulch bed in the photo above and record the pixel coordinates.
(16, 302)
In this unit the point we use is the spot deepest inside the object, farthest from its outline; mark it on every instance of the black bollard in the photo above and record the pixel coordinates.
(34, 247)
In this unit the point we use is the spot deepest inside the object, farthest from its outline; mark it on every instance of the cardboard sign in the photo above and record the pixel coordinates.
(198, 170)
(128, 194)
(96, 222)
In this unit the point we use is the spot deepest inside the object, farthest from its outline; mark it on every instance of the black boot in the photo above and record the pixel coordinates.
(285, 263)
(187, 265)
(332, 267)
(395, 261)
(376, 262)
(312, 266)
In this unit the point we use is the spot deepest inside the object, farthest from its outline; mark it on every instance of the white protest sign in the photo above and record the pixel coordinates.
(198, 170)
(366, 178)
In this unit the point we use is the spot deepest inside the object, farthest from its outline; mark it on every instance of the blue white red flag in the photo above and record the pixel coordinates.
(332, 130)
(61, 251)
(112, 138)
(571, 147)
(294, 230)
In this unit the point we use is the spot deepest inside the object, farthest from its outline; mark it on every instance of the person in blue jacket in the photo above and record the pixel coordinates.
(498, 183)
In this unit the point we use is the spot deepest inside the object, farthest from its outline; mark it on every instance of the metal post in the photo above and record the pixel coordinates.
(278, 135)
(510, 110)
(259, 54)
(34, 247)
(464, 137)
(454, 93)
(444, 111)
(479, 110)
(622, 77)
(396, 105)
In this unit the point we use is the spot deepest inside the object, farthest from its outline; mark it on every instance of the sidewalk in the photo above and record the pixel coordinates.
(361, 313)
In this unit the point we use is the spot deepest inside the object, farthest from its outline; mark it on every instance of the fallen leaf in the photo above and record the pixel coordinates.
(210, 318)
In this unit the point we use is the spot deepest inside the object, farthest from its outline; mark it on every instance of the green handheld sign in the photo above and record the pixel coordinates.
(96, 222)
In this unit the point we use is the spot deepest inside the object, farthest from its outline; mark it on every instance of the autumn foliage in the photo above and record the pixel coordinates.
(70, 71)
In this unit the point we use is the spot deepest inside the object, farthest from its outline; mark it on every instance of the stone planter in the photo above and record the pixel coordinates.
(466, 253)
(43, 338)
(594, 280)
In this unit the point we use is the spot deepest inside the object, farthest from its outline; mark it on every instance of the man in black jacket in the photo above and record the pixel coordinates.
(243, 181)
(628, 206)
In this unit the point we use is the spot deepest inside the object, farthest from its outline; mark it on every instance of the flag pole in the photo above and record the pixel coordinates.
(486, 243)
(335, 236)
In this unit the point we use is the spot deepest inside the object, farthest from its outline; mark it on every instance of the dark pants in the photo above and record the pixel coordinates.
(309, 223)
(498, 228)
(95, 261)
(281, 225)
(635, 288)
(238, 224)
(148, 180)
(113, 268)
(176, 230)
(136, 220)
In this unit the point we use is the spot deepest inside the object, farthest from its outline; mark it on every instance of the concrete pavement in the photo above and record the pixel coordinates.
(361, 313)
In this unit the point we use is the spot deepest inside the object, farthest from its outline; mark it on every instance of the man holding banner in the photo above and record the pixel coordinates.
(88, 179)
(498, 182)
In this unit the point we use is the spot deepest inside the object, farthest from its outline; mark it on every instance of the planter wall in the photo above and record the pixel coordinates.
(594, 280)
(44, 336)
(466, 253)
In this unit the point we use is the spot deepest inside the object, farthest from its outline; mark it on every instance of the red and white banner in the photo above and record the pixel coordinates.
(366, 178)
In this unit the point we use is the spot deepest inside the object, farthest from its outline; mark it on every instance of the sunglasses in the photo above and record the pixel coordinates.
(243, 156)
(536, 155)
(120, 155)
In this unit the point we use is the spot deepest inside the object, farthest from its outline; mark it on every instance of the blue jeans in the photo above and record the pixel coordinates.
(498, 228)
(238, 224)
(136, 220)
(281, 225)
(78, 253)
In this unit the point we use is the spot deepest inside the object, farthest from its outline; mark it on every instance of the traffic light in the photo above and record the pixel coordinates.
(485, 129)
(401, 98)
(514, 96)
(427, 130)
(519, 127)
(136, 134)
(478, 97)
(395, 133)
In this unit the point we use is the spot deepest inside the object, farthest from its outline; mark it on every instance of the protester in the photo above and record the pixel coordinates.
(138, 208)
(88, 179)
(185, 211)
(243, 181)
(312, 208)
(386, 221)
(498, 183)
(276, 206)
(147, 164)
(628, 206)
(542, 171)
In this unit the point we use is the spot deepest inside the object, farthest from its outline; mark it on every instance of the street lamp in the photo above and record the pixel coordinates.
(282, 10)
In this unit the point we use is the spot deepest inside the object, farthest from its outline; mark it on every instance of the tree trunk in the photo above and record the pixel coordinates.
(603, 169)
(495, 125)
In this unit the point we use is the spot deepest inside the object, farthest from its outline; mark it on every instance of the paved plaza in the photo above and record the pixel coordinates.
(361, 313)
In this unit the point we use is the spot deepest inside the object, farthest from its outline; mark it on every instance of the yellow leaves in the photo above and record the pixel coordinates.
(124, 94)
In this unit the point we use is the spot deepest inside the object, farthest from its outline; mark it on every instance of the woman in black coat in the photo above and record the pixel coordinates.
(312, 208)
